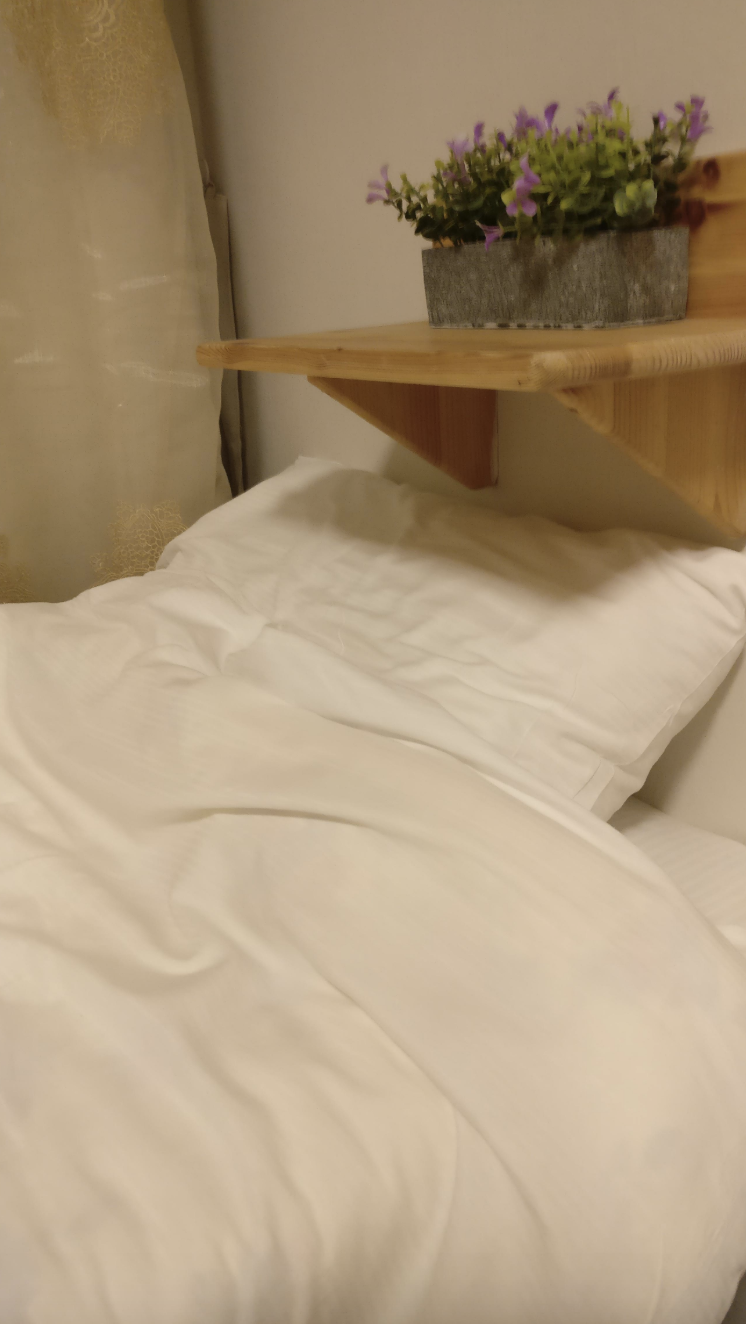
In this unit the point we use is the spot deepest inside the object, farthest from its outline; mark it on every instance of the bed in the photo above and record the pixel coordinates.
(710, 870)
(328, 991)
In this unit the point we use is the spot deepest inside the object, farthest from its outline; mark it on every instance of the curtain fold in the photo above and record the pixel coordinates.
(231, 414)
(109, 431)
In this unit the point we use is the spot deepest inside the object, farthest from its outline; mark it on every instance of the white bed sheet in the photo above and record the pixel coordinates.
(303, 1023)
(711, 872)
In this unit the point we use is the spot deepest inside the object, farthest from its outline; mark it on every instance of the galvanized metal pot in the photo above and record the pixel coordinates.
(619, 278)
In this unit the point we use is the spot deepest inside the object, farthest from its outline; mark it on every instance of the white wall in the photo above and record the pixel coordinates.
(302, 101)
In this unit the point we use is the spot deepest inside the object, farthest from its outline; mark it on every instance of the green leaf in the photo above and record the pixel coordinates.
(649, 194)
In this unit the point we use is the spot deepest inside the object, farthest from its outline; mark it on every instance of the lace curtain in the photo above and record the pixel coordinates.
(109, 434)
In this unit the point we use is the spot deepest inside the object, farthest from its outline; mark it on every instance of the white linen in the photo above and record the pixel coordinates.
(709, 869)
(300, 1023)
(578, 656)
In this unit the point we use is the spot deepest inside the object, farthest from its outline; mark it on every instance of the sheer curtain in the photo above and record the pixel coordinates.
(109, 431)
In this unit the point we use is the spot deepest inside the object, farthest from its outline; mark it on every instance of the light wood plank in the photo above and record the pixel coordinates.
(491, 360)
(714, 193)
(689, 430)
(453, 428)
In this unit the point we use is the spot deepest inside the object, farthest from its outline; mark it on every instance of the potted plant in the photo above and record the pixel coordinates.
(544, 227)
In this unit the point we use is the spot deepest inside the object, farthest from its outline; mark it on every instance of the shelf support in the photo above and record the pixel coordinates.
(453, 427)
(686, 429)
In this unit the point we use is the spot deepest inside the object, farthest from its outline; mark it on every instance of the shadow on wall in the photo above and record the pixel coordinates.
(552, 464)
(737, 1312)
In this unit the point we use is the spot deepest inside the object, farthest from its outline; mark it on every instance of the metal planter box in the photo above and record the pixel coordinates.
(619, 278)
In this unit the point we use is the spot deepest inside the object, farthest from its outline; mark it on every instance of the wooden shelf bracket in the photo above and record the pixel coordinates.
(686, 429)
(453, 427)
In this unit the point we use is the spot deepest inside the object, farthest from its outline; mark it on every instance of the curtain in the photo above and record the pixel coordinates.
(109, 430)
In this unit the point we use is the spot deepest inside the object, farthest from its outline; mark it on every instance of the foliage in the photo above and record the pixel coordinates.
(543, 182)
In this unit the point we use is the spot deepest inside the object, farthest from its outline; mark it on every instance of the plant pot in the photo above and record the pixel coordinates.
(619, 278)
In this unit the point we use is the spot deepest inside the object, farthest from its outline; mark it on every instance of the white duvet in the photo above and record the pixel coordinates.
(302, 1022)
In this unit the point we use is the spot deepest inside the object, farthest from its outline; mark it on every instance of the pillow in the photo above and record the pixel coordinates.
(576, 656)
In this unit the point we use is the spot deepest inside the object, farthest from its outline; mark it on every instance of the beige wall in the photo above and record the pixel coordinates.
(303, 100)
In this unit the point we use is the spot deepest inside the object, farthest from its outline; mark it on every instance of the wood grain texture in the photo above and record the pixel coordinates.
(714, 194)
(689, 430)
(416, 353)
(453, 428)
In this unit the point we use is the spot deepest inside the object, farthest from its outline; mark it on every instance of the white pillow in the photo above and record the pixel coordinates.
(578, 656)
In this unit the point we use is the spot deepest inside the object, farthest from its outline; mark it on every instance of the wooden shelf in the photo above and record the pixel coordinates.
(417, 354)
(673, 396)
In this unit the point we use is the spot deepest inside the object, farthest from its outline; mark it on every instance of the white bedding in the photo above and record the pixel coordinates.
(711, 872)
(302, 1023)
(709, 869)
(577, 656)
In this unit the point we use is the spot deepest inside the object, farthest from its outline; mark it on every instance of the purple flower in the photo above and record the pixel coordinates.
(524, 122)
(549, 113)
(523, 186)
(698, 125)
(528, 174)
(608, 106)
(698, 117)
(662, 119)
(459, 147)
(698, 122)
(379, 188)
(502, 141)
(491, 233)
(479, 134)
